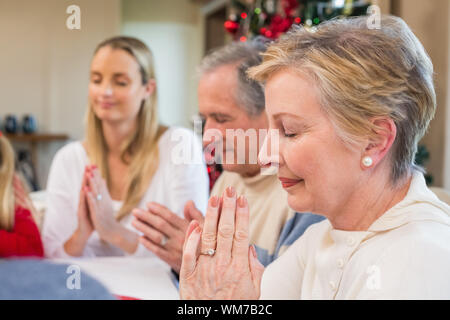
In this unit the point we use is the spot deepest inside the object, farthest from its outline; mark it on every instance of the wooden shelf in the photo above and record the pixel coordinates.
(36, 137)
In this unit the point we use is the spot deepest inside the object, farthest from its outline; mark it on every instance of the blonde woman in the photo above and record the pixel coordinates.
(350, 105)
(19, 234)
(123, 163)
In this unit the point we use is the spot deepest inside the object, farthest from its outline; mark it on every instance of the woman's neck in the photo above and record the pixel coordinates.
(116, 133)
(369, 202)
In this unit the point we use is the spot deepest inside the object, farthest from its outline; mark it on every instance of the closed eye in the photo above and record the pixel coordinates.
(96, 80)
(221, 120)
(289, 135)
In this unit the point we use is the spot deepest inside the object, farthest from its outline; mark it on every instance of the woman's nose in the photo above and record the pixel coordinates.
(268, 153)
(107, 89)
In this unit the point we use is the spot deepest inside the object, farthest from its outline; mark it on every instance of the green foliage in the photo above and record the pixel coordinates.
(421, 158)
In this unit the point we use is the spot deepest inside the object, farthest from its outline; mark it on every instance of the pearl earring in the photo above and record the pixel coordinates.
(367, 161)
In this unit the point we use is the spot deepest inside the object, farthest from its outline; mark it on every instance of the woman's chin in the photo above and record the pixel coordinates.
(107, 115)
(298, 202)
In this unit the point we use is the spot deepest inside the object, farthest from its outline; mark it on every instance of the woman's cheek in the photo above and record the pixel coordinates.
(127, 97)
(94, 93)
(294, 159)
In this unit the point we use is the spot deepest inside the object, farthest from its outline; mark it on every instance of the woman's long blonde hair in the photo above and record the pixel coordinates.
(140, 151)
(6, 185)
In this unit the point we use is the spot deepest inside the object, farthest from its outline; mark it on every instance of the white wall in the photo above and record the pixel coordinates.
(172, 30)
(172, 45)
(45, 67)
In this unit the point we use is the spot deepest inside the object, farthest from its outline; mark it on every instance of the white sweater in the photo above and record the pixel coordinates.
(172, 185)
(405, 254)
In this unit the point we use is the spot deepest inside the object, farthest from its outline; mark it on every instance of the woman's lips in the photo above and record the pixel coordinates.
(286, 183)
(106, 105)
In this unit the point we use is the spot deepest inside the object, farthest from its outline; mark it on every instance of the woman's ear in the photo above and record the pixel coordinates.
(378, 146)
(150, 88)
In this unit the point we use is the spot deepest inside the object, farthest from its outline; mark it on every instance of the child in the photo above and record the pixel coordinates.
(19, 234)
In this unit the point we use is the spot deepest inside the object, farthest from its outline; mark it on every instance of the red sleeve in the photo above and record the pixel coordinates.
(24, 240)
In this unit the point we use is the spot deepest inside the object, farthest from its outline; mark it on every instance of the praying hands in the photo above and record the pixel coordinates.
(95, 213)
(218, 262)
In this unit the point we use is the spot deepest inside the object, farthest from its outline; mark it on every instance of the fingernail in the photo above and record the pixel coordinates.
(151, 206)
(214, 201)
(254, 252)
(198, 229)
(189, 231)
(230, 192)
(242, 201)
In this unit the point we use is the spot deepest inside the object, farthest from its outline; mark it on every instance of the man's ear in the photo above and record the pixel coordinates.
(150, 88)
(378, 146)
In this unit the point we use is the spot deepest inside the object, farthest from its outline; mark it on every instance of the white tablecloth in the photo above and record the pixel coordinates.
(142, 278)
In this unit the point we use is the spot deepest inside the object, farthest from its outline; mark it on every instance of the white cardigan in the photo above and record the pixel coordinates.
(172, 185)
(405, 254)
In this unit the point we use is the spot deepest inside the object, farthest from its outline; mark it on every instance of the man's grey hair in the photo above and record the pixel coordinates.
(249, 94)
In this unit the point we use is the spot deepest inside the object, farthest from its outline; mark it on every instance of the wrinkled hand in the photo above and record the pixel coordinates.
(158, 223)
(100, 206)
(234, 271)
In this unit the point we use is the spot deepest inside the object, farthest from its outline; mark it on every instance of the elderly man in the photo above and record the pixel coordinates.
(232, 107)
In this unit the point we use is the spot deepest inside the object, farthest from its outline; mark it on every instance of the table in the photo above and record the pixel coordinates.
(141, 278)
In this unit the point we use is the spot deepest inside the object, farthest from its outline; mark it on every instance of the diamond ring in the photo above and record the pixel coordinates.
(99, 197)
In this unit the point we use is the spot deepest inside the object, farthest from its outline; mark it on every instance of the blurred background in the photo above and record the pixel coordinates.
(45, 66)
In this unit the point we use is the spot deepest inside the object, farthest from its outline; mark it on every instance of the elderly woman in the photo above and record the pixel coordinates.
(350, 104)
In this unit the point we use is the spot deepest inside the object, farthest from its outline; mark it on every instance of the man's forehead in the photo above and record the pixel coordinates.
(217, 104)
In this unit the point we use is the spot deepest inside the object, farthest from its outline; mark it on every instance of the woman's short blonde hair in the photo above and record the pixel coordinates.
(361, 74)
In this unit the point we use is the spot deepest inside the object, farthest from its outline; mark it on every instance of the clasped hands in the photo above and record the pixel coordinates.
(95, 211)
(211, 254)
